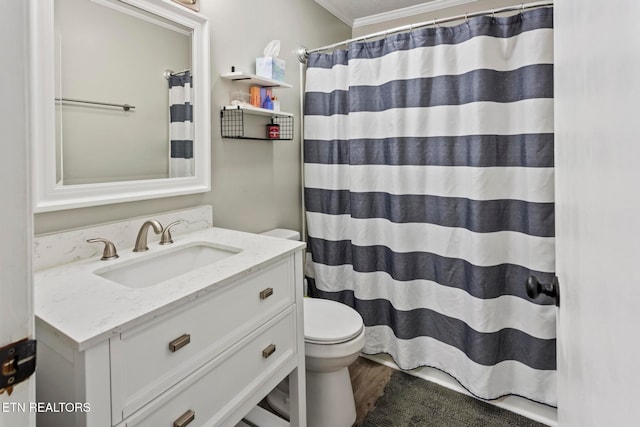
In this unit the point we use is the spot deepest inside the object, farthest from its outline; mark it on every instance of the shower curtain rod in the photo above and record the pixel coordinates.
(303, 53)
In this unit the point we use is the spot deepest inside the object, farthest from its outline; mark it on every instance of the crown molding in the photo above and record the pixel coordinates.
(330, 6)
(405, 12)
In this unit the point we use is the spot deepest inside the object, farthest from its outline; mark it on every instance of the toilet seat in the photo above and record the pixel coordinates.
(329, 322)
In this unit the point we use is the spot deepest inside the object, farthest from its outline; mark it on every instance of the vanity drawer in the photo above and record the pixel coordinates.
(224, 384)
(148, 360)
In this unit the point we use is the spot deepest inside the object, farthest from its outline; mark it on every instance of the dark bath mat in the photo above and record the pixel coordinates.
(409, 401)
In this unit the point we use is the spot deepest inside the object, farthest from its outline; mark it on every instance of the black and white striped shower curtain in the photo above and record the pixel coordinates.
(429, 193)
(180, 125)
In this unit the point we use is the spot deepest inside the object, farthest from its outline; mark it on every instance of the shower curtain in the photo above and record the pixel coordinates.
(180, 125)
(428, 160)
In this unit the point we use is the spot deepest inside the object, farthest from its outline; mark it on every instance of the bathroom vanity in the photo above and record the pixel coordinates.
(200, 348)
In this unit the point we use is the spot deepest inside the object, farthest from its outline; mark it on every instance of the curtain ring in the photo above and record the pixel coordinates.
(493, 14)
(466, 18)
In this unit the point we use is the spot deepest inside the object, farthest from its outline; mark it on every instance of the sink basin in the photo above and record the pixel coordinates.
(153, 269)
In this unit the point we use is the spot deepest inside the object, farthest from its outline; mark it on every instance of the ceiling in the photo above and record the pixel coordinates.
(357, 13)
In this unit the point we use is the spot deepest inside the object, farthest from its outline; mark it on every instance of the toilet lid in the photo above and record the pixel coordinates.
(330, 322)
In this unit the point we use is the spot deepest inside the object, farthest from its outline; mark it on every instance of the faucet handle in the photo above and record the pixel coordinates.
(165, 238)
(109, 251)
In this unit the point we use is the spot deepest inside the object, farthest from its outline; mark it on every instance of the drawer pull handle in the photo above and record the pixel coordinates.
(179, 342)
(271, 348)
(266, 293)
(185, 419)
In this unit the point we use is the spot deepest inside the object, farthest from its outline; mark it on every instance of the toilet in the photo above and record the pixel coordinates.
(334, 337)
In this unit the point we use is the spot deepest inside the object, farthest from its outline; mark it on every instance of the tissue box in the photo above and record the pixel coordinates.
(271, 68)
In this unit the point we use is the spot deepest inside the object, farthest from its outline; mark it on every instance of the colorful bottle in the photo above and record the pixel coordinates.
(254, 96)
(267, 104)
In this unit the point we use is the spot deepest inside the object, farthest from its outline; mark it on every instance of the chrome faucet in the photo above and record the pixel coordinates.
(141, 240)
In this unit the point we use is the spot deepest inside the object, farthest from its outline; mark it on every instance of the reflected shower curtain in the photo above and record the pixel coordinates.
(429, 197)
(180, 125)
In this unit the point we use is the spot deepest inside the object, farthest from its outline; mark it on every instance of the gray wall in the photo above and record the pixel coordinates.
(255, 184)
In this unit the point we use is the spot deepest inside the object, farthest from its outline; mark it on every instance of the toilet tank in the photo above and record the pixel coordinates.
(283, 233)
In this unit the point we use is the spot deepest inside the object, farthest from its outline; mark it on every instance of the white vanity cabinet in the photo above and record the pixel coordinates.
(204, 361)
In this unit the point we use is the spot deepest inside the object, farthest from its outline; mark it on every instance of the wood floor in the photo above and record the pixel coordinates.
(368, 380)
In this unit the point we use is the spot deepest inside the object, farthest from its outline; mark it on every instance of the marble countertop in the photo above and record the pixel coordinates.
(87, 309)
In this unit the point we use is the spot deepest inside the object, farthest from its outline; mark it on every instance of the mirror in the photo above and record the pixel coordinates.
(117, 130)
(120, 102)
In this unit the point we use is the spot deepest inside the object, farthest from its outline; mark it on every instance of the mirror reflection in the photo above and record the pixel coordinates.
(123, 94)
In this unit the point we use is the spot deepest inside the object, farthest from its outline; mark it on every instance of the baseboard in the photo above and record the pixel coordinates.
(532, 410)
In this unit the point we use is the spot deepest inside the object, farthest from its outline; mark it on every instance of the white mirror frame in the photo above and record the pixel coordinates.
(48, 196)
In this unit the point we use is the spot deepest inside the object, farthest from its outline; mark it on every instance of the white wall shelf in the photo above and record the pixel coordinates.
(241, 76)
(257, 111)
(235, 119)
